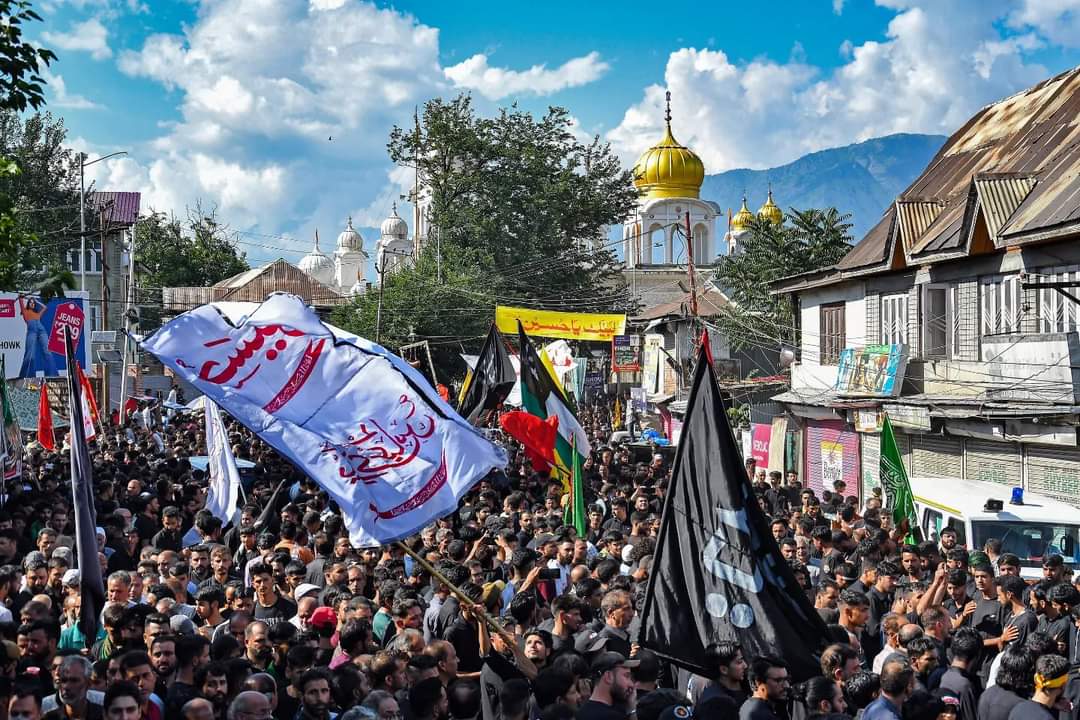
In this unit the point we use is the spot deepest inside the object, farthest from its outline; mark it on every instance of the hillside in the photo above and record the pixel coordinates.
(861, 179)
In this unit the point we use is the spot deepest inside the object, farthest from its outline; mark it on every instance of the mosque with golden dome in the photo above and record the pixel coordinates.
(669, 177)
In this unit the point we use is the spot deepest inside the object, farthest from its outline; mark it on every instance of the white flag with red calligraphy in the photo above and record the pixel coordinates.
(355, 417)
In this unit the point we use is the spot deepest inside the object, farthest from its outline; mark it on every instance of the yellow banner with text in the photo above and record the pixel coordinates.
(564, 325)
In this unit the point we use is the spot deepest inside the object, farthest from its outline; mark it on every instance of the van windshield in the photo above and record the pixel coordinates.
(1030, 541)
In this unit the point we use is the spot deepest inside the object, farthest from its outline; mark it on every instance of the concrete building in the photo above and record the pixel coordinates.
(937, 318)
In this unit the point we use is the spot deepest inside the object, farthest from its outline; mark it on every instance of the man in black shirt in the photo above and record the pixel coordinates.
(959, 678)
(1051, 674)
(270, 607)
(613, 696)
(771, 686)
(1016, 614)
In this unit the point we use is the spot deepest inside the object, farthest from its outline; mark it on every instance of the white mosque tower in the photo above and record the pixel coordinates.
(394, 248)
(350, 260)
(318, 265)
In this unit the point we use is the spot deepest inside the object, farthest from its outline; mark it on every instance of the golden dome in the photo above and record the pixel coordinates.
(742, 219)
(771, 212)
(669, 169)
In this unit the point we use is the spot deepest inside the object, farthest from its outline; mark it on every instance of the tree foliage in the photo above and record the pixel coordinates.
(21, 62)
(518, 212)
(194, 252)
(807, 240)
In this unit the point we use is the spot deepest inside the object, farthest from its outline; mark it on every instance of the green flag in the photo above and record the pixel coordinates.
(575, 509)
(541, 396)
(894, 482)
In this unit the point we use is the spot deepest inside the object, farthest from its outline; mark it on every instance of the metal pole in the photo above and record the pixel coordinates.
(378, 308)
(82, 221)
(127, 324)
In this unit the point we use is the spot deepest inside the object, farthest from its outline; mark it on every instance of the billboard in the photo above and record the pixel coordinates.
(871, 371)
(32, 333)
(626, 353)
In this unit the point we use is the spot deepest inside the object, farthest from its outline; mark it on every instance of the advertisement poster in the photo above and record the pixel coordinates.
(32, 334)
(760, 436)
(872, 371)
(626, 353)
(832, 462)
(653, 372)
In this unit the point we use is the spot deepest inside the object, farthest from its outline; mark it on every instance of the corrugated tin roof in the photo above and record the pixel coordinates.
(873, 249)
(710, 303)
(253, 286)
(945, 232)
(1000, 196)
(1022, 158)
(914, 217)
(119, 208)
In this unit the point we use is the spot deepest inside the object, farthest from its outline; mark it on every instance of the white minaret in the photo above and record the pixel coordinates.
(350, 260)
(394, 248)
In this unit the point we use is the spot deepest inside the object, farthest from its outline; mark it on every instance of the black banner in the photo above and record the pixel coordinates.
(492, 379)
(718, 573)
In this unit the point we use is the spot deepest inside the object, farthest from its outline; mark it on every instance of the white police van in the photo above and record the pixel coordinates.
(1028, 526)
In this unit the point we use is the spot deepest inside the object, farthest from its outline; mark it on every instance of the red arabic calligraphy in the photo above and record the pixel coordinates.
(300, 376)
(380, 446)
(244, 352)
(425, 493)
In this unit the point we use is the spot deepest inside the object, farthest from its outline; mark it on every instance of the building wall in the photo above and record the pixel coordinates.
(809, 374)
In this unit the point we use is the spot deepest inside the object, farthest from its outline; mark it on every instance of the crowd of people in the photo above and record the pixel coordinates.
(278, 616)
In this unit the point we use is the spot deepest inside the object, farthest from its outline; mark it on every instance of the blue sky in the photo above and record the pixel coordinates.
(232, 103)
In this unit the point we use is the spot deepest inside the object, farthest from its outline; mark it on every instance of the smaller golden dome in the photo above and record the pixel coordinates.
(742, 219)
(771, 211)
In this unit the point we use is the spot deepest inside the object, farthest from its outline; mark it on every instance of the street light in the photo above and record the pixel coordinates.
(82, 211)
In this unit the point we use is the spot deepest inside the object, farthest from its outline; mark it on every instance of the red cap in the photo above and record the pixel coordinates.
(323, 616)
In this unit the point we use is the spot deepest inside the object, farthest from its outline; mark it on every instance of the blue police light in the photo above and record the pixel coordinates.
(1017, 496)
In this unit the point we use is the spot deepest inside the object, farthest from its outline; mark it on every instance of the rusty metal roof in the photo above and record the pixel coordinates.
(253, 286)
(915, 217)
(710, 304)
(1000, 195)
(118, 208)
(1016, 163)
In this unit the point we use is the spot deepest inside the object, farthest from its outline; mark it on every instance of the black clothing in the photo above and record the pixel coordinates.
(167, 540)
(463, 636)
(996, 703)
(756, 709)
(592, 710)
(1031, 710)
(281, 611)
(966, 687)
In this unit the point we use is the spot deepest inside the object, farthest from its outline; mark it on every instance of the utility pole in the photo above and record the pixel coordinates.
(690, 255)
(82, 210)
(127, 322)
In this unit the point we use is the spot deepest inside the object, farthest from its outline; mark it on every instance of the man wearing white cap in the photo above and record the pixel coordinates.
(306, 602)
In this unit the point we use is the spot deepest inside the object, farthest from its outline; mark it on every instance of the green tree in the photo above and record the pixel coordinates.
(807, 240)
(518, 212)
(21, 87)
(21, 62)
(195, 252)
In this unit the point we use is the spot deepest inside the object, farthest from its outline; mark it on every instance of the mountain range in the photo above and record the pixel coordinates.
(860, 179)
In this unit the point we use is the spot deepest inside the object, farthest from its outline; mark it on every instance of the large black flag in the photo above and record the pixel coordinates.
(490, 381)
(82, 485)
(717, 572)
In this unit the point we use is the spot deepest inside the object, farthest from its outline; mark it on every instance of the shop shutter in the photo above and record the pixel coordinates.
(870, 458)
(1054, 472)
(999, 462)
(903, 444)
(832, 449)
(936, 456)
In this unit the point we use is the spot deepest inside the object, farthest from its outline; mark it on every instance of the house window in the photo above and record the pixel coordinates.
(1000, 302)
(93, 261)
(1056, 313)
(95, 316)
(937, 321)
(832, 333)
(894, 319)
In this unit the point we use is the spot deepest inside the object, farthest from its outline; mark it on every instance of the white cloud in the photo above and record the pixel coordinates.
(838, 6)
(938, 63)
(285, 107)
(1056, 20)
(88, 36)
(496, 83)
(60, 97)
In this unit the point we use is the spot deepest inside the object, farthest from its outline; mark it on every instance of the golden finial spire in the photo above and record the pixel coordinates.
(667, 109)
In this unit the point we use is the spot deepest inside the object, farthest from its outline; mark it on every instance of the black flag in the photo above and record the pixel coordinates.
(490, 381)
(717, 572)
(82, 483)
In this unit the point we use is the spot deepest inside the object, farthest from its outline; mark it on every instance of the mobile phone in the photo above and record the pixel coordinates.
(549, 574)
